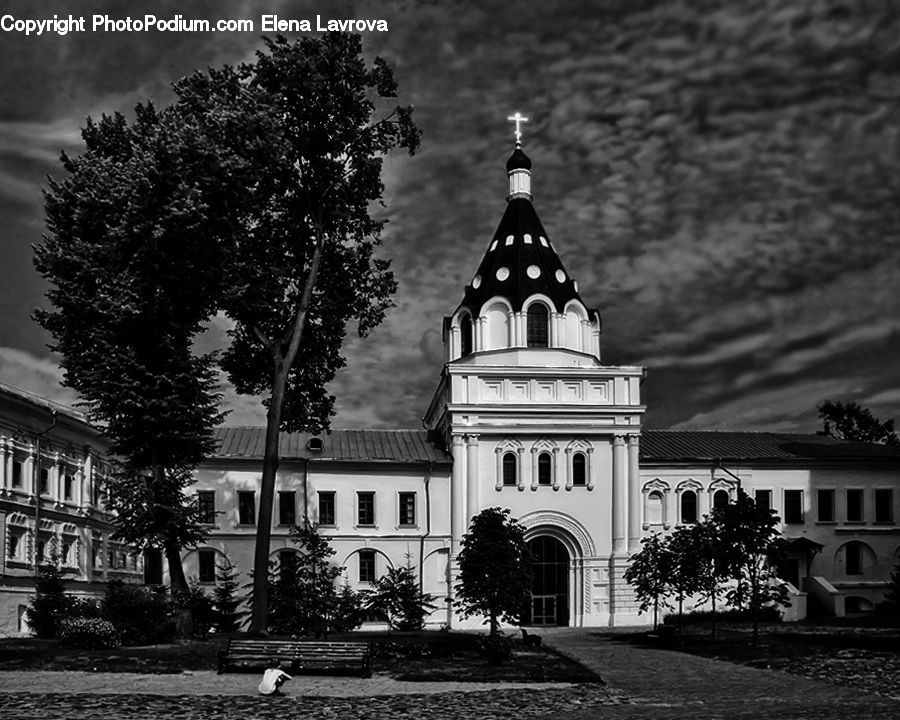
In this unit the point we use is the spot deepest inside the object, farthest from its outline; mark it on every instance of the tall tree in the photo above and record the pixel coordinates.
(649, 573)
(753, 548)
(494, 569)
(299, 138)
(684, 566)
(851, 421)
(129, 268)
(711, 566)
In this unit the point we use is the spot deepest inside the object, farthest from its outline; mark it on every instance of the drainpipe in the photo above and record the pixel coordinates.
(305, 493)
(719, 466)
(427, 480)
(36, 480)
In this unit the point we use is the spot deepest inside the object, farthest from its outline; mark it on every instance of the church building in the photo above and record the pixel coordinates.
(525, 416)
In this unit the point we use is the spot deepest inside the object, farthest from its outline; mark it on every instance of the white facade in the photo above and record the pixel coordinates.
(53, 510)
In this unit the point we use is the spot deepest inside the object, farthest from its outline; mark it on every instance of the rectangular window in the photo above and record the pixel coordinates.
(206, 507)
(365, 508)
(854, 506)
(44, 481)
(367, 566)
(246, 507)
(287, 508)
(763, 499)
(206, 561)
(287, 565)
(68, 485)
(884, 506)
(110, 559)
(326, 508)
(853, 556)
(97, 554)
(793, 506)
(825, 504)
(153, 567)
(407, 509)
(17, 474)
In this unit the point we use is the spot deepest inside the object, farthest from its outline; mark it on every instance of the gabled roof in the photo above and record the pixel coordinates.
(708, 446)
(399, 446)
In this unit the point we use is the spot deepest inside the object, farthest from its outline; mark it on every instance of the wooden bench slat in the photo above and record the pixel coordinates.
(315, 655)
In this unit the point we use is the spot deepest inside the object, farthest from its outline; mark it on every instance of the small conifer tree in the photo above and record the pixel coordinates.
(225, 599)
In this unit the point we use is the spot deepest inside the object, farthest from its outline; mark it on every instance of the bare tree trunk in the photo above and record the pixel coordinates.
(184, 624)
(258, 619)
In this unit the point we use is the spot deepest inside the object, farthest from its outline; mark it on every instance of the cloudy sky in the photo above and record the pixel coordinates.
(721, 178)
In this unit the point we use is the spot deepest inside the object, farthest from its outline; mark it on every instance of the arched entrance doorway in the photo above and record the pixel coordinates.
(549, 601)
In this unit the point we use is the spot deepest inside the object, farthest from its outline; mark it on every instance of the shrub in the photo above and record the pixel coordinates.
(397, 595)
(496, 648)
(88, 633)
(142, 616)
(202, 609)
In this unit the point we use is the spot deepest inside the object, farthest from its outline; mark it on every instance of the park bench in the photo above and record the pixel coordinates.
(296, 656)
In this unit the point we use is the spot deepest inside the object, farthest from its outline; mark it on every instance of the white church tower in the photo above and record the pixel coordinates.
(537, 424)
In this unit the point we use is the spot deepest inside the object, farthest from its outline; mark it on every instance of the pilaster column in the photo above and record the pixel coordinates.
(634, 493)
(457, 488)
(521, 329)
(455, 344)
(555, 335)
(620, 489)
(478, 329)
(5, 464)
(472, 486)
(556, 469)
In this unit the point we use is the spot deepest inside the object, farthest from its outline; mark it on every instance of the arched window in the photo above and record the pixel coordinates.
(545, 469)
(509, 468)
(538, 325)
(579, 469)
(465, 331)
(688, 507)
(720, 499)
(654, 508)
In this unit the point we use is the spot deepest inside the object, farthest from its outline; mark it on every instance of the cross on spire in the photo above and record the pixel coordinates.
(518, 120)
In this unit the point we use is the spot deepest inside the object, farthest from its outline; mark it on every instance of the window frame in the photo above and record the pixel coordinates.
(360, 496)
(204, 556)
(367, 560)
(514, 464)
(830, 516)
(681, 515)
(800, 518)
(765, 492)
(882, 518)
(18, 473)
(861, 495)
(202, 497)
(857, 566)
(545, 469)
(403, 520)
(282, 507)
(332, 496)
(242, 496)
(537, 335)
(579, 455)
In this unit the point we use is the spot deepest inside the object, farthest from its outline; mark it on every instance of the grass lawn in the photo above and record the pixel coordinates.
(866, 657)
(418, 656)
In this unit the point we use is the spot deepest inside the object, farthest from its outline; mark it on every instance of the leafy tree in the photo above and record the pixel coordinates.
(892, 596)
(851, 421)
(225, 600)
(494, 569)
(131, 284)
(649, 573)
(684, 565)
(711, 565)
(402, 601)
(50, 604)
(298, 139)
(753, 547)
(304, 598)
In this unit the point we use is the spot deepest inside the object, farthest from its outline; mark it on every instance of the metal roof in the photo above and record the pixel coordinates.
(682, 445)
(338, 445)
